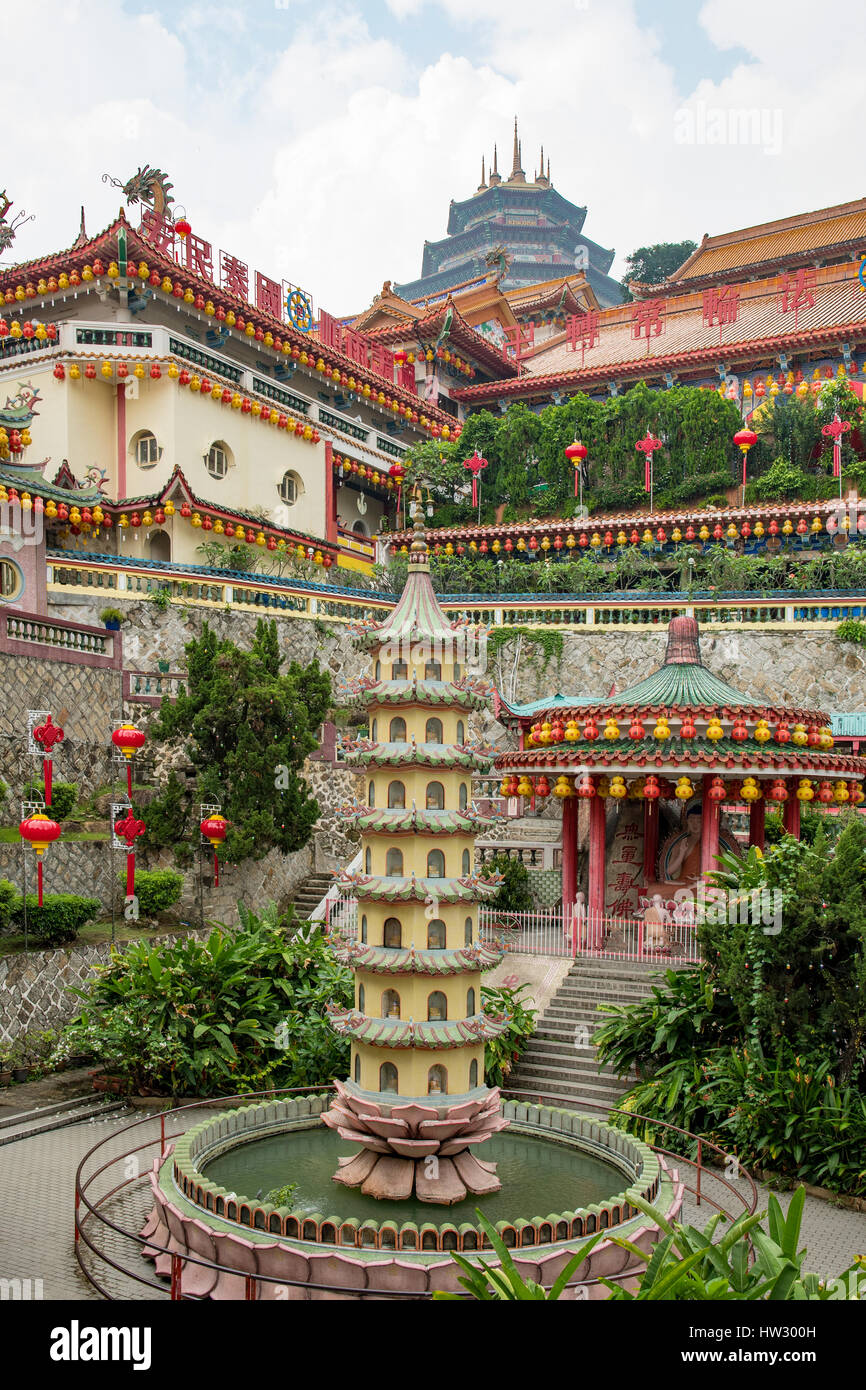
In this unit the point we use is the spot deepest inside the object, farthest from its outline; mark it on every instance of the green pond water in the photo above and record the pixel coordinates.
(538, 1178)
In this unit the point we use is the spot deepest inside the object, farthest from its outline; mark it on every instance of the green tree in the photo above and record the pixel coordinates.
(652, 265)
(247, 729)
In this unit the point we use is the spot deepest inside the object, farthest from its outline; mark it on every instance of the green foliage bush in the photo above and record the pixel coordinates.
(60, 918)
(242, 1011)
(501, 1054)
(156, 889)
(851, 631)
(63, 797)
(513, 894)
(8, 898)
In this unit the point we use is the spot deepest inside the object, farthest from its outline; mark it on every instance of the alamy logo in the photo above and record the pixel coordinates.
(77, 1343)
(22, 1290)
(20, 525)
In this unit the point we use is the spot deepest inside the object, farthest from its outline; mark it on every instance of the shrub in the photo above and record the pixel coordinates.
(60, 918)
(111, 615)
(513, 894)
(156, 889)
(63, 797)
(501, 1054)
(851, 631)
(8, 898)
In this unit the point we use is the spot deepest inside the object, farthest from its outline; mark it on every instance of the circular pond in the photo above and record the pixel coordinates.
(537, 1175)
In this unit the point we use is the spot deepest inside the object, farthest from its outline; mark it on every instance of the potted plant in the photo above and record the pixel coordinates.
(18, 1060)
(111, 618)
(5, 1064)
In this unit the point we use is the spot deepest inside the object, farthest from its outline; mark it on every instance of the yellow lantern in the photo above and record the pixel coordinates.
(75, 372)
(196, 520)
(763, 732)
(805, 791)
(570, 542)
(231, 318)
(260, 538)
(750, 791)
(572, 731)
(704, 533)
(602, 787)
(759, 529)
(826, 740)
(684, 789)
(714, 729)
(595, 540)
(676, 535)
(840, 792)
(611, 729)
(787, 527)
(618, 788)
(106, 369)
(218, 528)
(817, 525)
(216, 391)
(147, 519)
(545, 735)
(237, 400)
(255, 408)
(732, 532)
(51, 509)
(563, 787)
(647, 537)
(169, 508)
(124, 520)
(173, 372)
(239, 533)
(209, 309)
(662, 729)
(525, 787)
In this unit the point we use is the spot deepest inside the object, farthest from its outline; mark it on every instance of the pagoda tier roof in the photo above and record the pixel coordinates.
(384, 960)
(430, 694)
(414, 821)
(618, 521)
(682, 756)
(139, 248)
(366, 753)
(460, 334)
(401, 1032)
(788, 240)
(379, 888)
(417, 616)
(688, 343)
(561, 294)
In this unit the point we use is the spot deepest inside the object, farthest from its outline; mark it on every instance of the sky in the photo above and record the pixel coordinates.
(322, 140)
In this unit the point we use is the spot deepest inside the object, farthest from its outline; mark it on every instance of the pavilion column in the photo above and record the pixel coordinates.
(757, 816)
(595, 896)
(791, 815)
(650, 838)
(709, 832)
(569, 856)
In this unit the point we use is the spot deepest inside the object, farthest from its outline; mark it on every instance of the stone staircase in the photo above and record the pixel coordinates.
(559, 1059)
(309, 893)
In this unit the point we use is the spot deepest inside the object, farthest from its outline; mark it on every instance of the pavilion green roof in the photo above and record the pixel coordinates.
(401, 1032)
(31, 480)
(386, 960)
(680, 684)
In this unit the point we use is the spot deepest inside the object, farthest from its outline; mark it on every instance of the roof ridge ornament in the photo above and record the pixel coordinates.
(684, 643)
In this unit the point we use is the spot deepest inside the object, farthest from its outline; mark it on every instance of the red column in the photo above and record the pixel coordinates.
(709, 831)
(791, 814)
(756, 823)
(569, 856)
(330, 495)
(650, 839)
(595, 897)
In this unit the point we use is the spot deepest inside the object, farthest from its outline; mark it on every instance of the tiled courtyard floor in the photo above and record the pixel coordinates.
(36, 1227)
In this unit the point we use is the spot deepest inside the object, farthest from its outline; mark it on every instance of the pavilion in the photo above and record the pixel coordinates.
(657, 764)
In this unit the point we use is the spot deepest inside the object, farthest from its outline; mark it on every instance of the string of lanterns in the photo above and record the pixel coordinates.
(314, 360)
(568, 730)
(839, 792)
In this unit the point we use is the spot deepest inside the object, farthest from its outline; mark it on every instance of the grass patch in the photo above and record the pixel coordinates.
(97, 933)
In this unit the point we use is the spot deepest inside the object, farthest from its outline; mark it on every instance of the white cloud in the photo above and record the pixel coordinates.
(330, 153)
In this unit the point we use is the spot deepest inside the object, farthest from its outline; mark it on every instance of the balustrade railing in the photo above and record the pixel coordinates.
(543, 855)
(57, 639)
(578, 933)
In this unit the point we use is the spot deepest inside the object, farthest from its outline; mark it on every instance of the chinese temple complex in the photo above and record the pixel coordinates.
(531, 230)
(657, 766)
(417, 1028)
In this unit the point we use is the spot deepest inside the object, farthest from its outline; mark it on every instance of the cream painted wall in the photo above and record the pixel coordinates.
(414, 922)
(413, 1068)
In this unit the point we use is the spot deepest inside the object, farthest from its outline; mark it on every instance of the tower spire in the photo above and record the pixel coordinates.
(483, 184)
(517, 174)
(495, 176)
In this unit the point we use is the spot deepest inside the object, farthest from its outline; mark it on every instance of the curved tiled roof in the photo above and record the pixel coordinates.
(369, 754)
(412, 821)
(379, 888)
(427, 1035)
(384, 960)
(435, 694)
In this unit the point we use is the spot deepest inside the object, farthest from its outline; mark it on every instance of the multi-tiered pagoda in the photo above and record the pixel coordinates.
(416, 1099)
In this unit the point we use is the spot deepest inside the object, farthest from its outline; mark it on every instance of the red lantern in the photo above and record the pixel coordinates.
(46, 735)
(687, 728)
(90, 371)
(660, 536)
(155, 372)
(783, 733)
(39, 830)
(744, 439)
(718, 533)
(814, 737)
(717, 789)
(272, 542)
(128, 739)
(577, 452)
(778, 791)
(159, 516)
(214, 829)
(185, 378)
(739, 732)
(585, 787)
(590, 730)
(636, 728)
(652, 790)
(129, 829)
(185, 509)
(825, 793)
(60, 372)
(182, 227)
(773, 527)
(690, 532)
(542, 786)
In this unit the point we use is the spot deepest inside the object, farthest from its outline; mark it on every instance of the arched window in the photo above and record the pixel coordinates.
(473, 1073)
(436, 935)
(463, 796)
(364, 928)
(433, 671)
(390, 1004)
(435, 864)
(399, 671)
(394, 863)
(461, 732)
(470, 1002)
(397, 731)
(433, 731)
(467, 931)
(160, 546)
(145, 449)
(396, 796)
(393, 933)
(217, 459)
(368, 860)
(378, 671)
(457, 670)
(437, 1005)
(371, 794)
(466, 863)
(437, 1081)
(11, 581)
(361, 998)
(290, 488)
(374, 730)
(435, 796)
(357, 1070)
(388, 1077)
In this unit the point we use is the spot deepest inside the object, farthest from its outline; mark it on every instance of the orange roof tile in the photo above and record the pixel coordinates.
(775, 241)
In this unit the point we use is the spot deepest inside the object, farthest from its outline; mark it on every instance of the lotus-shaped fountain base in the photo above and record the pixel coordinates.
(410, 1147)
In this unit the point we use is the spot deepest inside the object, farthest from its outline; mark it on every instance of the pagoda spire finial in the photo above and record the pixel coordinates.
(517, 174)
(495, 176)
(483, 184)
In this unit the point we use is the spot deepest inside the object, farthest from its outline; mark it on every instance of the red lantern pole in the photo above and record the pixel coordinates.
(128, 829)
(835, 431)
(47, 735)
(744, 440)
(40, 831)
(475, 464)
(214, 829)
(128, 739)
(577, 452)
(647, 446)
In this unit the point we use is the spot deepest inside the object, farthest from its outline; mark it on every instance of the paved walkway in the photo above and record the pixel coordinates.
(36, 1228)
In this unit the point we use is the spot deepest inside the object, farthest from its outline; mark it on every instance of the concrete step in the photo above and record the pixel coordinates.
(572, 1091)
(22, 1127)
(545, 1050)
